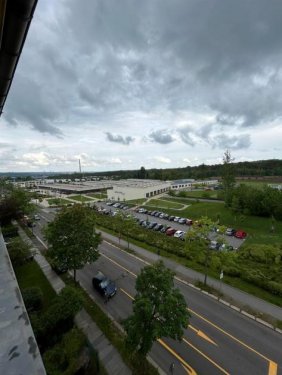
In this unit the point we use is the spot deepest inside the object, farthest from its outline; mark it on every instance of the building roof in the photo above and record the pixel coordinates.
(15, 18)
(19, 353)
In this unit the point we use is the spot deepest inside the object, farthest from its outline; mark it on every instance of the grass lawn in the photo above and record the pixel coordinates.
(257, 228)
(29, 275)
(57, 201)
(165, 204)
(81, 198)
(255, 184)
(97, 195)
(202, 194)
(136, 201)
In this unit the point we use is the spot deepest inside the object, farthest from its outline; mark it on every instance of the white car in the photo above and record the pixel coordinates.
(179, 234)
(176, 218)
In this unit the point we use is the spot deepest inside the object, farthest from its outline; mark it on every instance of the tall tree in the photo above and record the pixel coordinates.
(198, 238)
(228, 177)
(72, 238)
(15, 203)
(159, 309)
(142, 173)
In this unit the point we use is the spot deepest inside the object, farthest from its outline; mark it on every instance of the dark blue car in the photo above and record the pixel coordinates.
(104, 285)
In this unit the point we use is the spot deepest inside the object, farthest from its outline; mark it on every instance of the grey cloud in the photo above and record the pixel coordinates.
(186, 135)
(119, 139)
(162, 136)
(149, 55)
(224, 141)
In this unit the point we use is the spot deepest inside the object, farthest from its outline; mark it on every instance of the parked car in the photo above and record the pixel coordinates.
(116, 205)
(164, 229)
(214, 245)
(178, 234)
(170, 231)
(152, 225)
(158, 227)
(230, 231)
(176, 219)
(165, 216)
(189, 222)
(240, 234)
(142, 210)
(104, 285)
(225, 247)
(182, 220)
(171, 218)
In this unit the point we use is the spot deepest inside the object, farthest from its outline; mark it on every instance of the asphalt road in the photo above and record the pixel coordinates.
(218, 340)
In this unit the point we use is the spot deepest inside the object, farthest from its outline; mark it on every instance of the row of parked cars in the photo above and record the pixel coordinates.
(162, 215)
(158, 227)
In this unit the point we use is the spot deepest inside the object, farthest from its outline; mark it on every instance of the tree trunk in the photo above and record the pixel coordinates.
(74, 275)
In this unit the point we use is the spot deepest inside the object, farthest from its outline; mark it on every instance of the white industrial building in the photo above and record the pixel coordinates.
(187, 184)
(124, 190)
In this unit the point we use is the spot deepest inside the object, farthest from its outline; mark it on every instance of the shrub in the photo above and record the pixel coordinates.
(9, 231)
(58, 319)
(33, 298)
(19, 251)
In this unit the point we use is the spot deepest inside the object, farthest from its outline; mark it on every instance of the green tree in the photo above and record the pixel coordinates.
(228, 177)
(142, 173)
(72, 238)
(15, 203)
(198, 239)
(19, 251)
(159, 309)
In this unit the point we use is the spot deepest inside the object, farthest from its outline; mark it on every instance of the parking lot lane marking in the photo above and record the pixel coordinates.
(202, 334)
(119, 265)
(205, 356)
(272, 369)
(272, 365)
(128, 295)
(191, 371)
(39, 239)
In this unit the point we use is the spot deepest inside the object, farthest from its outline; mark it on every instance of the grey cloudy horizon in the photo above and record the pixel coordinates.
(153, 83)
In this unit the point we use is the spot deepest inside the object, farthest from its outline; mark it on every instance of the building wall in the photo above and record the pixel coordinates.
(124, 193)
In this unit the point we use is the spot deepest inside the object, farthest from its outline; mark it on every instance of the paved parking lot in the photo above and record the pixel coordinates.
(232, 241)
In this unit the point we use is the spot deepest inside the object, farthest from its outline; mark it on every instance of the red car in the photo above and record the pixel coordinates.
(170, 231)
(240, 234)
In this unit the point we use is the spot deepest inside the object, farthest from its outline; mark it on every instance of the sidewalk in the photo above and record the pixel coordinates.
(108, 354)
(242, 298)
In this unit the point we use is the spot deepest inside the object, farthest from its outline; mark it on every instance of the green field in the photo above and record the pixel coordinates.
(255, 184)
(81, 198)
(164, 204)
(206, 194)
(257, 228)
(58, 201)
(97, 195)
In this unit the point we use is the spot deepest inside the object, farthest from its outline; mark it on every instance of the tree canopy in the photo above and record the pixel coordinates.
(159, 309)
(72, 238)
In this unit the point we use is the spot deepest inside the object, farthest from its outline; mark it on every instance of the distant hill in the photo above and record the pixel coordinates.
(263, 169)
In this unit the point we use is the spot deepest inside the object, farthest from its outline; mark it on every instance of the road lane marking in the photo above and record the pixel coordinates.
(202, 334)
(39, 239)
(119, 265)
(191, 371)
(272, 370)
(272, 365)
(205, 356)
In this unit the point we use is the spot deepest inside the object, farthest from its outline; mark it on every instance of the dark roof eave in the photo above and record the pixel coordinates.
(17, 19)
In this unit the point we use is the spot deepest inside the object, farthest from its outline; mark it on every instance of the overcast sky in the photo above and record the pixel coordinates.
(154, 83)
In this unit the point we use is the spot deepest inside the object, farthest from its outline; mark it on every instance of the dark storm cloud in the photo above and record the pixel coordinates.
(107, 56)
(161, 136)
(119, 139)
